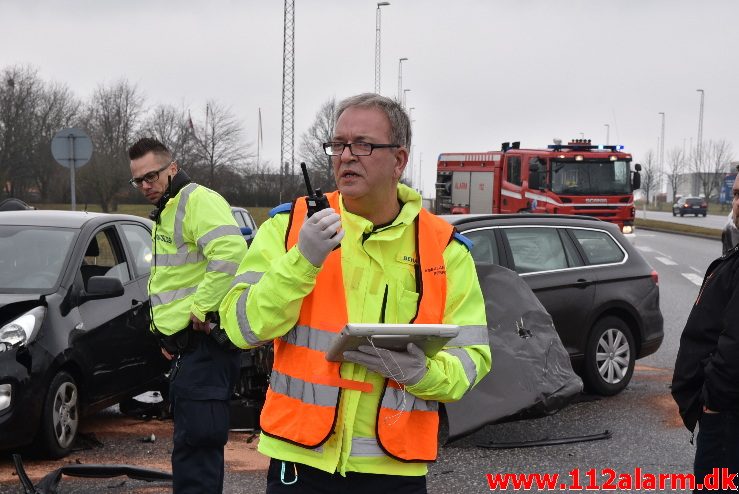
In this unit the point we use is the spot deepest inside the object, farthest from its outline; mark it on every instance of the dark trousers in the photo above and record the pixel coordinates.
(281, 480)
(201, 383)
(717, 446)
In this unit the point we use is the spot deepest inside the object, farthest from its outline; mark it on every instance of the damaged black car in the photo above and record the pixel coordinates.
(74, 334)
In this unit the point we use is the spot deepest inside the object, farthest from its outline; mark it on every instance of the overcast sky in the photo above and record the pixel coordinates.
(479, 72)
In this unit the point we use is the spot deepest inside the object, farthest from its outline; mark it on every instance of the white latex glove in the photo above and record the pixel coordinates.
(407, 367)
(319, 235)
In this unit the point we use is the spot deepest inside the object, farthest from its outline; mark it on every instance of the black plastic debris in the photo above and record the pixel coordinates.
(50, 483)
(546, 441)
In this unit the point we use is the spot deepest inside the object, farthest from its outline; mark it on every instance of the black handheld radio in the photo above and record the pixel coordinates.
(316, 200)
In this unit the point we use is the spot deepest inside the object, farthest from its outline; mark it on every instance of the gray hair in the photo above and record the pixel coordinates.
(400, 124)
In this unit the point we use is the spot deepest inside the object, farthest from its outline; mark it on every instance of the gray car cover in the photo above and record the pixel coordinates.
(531, 375)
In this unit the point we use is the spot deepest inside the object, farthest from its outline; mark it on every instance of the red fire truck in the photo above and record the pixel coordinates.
(573, 178)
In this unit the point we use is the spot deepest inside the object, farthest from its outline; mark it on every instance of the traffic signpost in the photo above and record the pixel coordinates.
(71, 148)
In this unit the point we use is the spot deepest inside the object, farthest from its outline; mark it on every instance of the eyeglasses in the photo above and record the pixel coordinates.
(356, 148)
(149, 178)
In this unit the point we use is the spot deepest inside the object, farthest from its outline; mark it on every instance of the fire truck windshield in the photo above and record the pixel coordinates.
(579, 178)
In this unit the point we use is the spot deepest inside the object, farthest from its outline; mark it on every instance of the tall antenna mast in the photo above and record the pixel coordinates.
(287, 150)
(378, 34)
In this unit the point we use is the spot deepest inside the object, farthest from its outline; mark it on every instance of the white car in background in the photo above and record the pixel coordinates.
(246, 223)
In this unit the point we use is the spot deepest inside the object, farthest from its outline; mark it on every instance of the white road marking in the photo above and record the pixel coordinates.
(644, 248)
(698, 280)
(696, 270)
(665, 260)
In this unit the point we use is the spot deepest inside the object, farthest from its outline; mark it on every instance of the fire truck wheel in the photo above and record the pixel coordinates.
(610, 356)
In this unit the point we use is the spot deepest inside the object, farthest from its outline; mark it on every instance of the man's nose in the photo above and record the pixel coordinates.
(346, 154)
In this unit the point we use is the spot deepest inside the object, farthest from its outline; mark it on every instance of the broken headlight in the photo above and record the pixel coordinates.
(21, 330)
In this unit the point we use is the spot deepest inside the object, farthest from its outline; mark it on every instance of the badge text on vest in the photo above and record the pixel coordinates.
(164, 238)
(406, 259)
(436, 270)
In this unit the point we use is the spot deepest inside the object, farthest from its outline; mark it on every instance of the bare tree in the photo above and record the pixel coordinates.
(711, 166)
(58, 108)
(172, 126)
(311, 146)
(31, 112)
(676, 168)
(718, 157)
(219, 145)
(111, 118)
(20, 93)
(651, 175)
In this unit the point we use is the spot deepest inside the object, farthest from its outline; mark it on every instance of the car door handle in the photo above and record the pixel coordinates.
(136, 304)
(582, 283)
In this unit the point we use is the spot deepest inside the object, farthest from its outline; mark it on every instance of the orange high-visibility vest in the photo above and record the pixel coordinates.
(305, 389)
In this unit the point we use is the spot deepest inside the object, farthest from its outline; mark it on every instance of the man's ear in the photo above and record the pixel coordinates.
(401, 161)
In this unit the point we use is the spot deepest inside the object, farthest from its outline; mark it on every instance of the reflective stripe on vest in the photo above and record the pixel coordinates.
(243, 321)
(365, 446)
(470, 370)
(470, 335)
(407, 426)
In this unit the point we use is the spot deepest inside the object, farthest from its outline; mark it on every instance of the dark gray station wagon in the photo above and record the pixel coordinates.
(602, 295)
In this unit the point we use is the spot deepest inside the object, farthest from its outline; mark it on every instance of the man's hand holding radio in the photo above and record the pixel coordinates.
(319, 235)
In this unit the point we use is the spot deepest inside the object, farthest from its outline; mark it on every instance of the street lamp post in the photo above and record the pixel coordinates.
(608, 133)
(377, 45)
(400, 78)
(662, 149)
(405, 95)
(410, 158)
(699, 144)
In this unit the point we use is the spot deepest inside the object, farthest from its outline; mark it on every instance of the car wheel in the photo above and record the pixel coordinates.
(674, 213)
(682, 214)
(704, 215)
(60, 417)
(610, 356)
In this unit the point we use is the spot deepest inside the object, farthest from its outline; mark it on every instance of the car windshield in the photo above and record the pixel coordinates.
(32, 258)
(580, 178)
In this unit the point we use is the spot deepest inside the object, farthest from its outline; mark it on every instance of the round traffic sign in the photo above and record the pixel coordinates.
(71, 146)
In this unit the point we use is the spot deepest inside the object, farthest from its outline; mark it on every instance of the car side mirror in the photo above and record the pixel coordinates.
(99, 287)
(245, 230)
(636, 181)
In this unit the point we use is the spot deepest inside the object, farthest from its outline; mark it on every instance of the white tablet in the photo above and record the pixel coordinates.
(429, 337)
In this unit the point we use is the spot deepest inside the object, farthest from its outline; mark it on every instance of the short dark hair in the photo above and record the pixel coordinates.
(148, 145)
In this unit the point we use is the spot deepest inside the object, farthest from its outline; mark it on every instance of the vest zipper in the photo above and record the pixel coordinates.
(384, 306)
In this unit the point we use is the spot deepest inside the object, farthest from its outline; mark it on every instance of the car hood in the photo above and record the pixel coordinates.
(531, 375)
(14, 298)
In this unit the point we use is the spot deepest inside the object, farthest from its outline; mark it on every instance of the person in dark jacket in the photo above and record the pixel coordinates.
(729, 234)
(705, 383)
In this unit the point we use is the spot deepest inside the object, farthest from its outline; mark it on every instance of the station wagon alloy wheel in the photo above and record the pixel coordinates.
(610, 356)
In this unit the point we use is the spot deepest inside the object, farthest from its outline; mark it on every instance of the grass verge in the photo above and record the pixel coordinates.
(666, 226)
